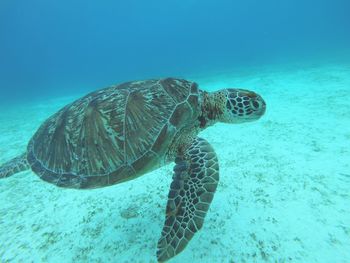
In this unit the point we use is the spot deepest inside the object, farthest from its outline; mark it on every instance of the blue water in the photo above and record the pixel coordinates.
(283, 194)
(55, 47)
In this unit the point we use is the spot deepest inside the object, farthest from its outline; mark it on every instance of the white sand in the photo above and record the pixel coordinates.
(283, 195)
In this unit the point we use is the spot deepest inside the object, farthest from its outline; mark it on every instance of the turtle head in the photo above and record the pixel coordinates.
(241, 106)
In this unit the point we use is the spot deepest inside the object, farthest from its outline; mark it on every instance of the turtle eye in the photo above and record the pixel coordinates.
(255, 104)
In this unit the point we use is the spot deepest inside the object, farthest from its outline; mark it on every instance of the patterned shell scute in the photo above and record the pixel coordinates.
(113, 129)
(178, 89)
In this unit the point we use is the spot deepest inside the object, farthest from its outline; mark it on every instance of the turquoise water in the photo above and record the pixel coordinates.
(283, 194)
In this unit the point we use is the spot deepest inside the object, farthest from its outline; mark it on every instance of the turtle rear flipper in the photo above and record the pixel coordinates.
(194, 182)
(14, 166)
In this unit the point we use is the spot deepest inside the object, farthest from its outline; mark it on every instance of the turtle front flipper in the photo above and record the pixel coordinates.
(14, 166)
(196, 175)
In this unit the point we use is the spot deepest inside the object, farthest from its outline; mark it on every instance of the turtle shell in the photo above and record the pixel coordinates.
(113, 134)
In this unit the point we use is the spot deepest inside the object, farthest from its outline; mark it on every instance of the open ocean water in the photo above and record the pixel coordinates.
(283, 194)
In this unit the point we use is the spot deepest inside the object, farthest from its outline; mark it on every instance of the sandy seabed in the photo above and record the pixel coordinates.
(283, 194)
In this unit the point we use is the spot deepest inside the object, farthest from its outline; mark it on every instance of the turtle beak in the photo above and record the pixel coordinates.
(258, 105)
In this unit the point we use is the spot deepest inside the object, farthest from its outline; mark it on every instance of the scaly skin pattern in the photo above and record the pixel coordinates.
(14, 166)
(196, 175)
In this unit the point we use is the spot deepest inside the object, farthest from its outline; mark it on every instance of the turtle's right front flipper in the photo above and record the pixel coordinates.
(14, 166)
(195, 179)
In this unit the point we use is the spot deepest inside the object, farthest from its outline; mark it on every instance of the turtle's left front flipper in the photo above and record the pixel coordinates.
(196, 175)
(14, 166)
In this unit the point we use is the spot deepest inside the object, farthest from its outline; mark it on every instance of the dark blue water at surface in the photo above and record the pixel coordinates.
(55, 48)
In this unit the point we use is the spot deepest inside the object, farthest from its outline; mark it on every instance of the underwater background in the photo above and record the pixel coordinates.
(284, 184)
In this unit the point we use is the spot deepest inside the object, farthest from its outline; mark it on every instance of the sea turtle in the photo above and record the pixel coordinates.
(121, 132)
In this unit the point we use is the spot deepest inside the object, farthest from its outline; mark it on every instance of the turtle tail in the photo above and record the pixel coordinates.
(14, 166)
